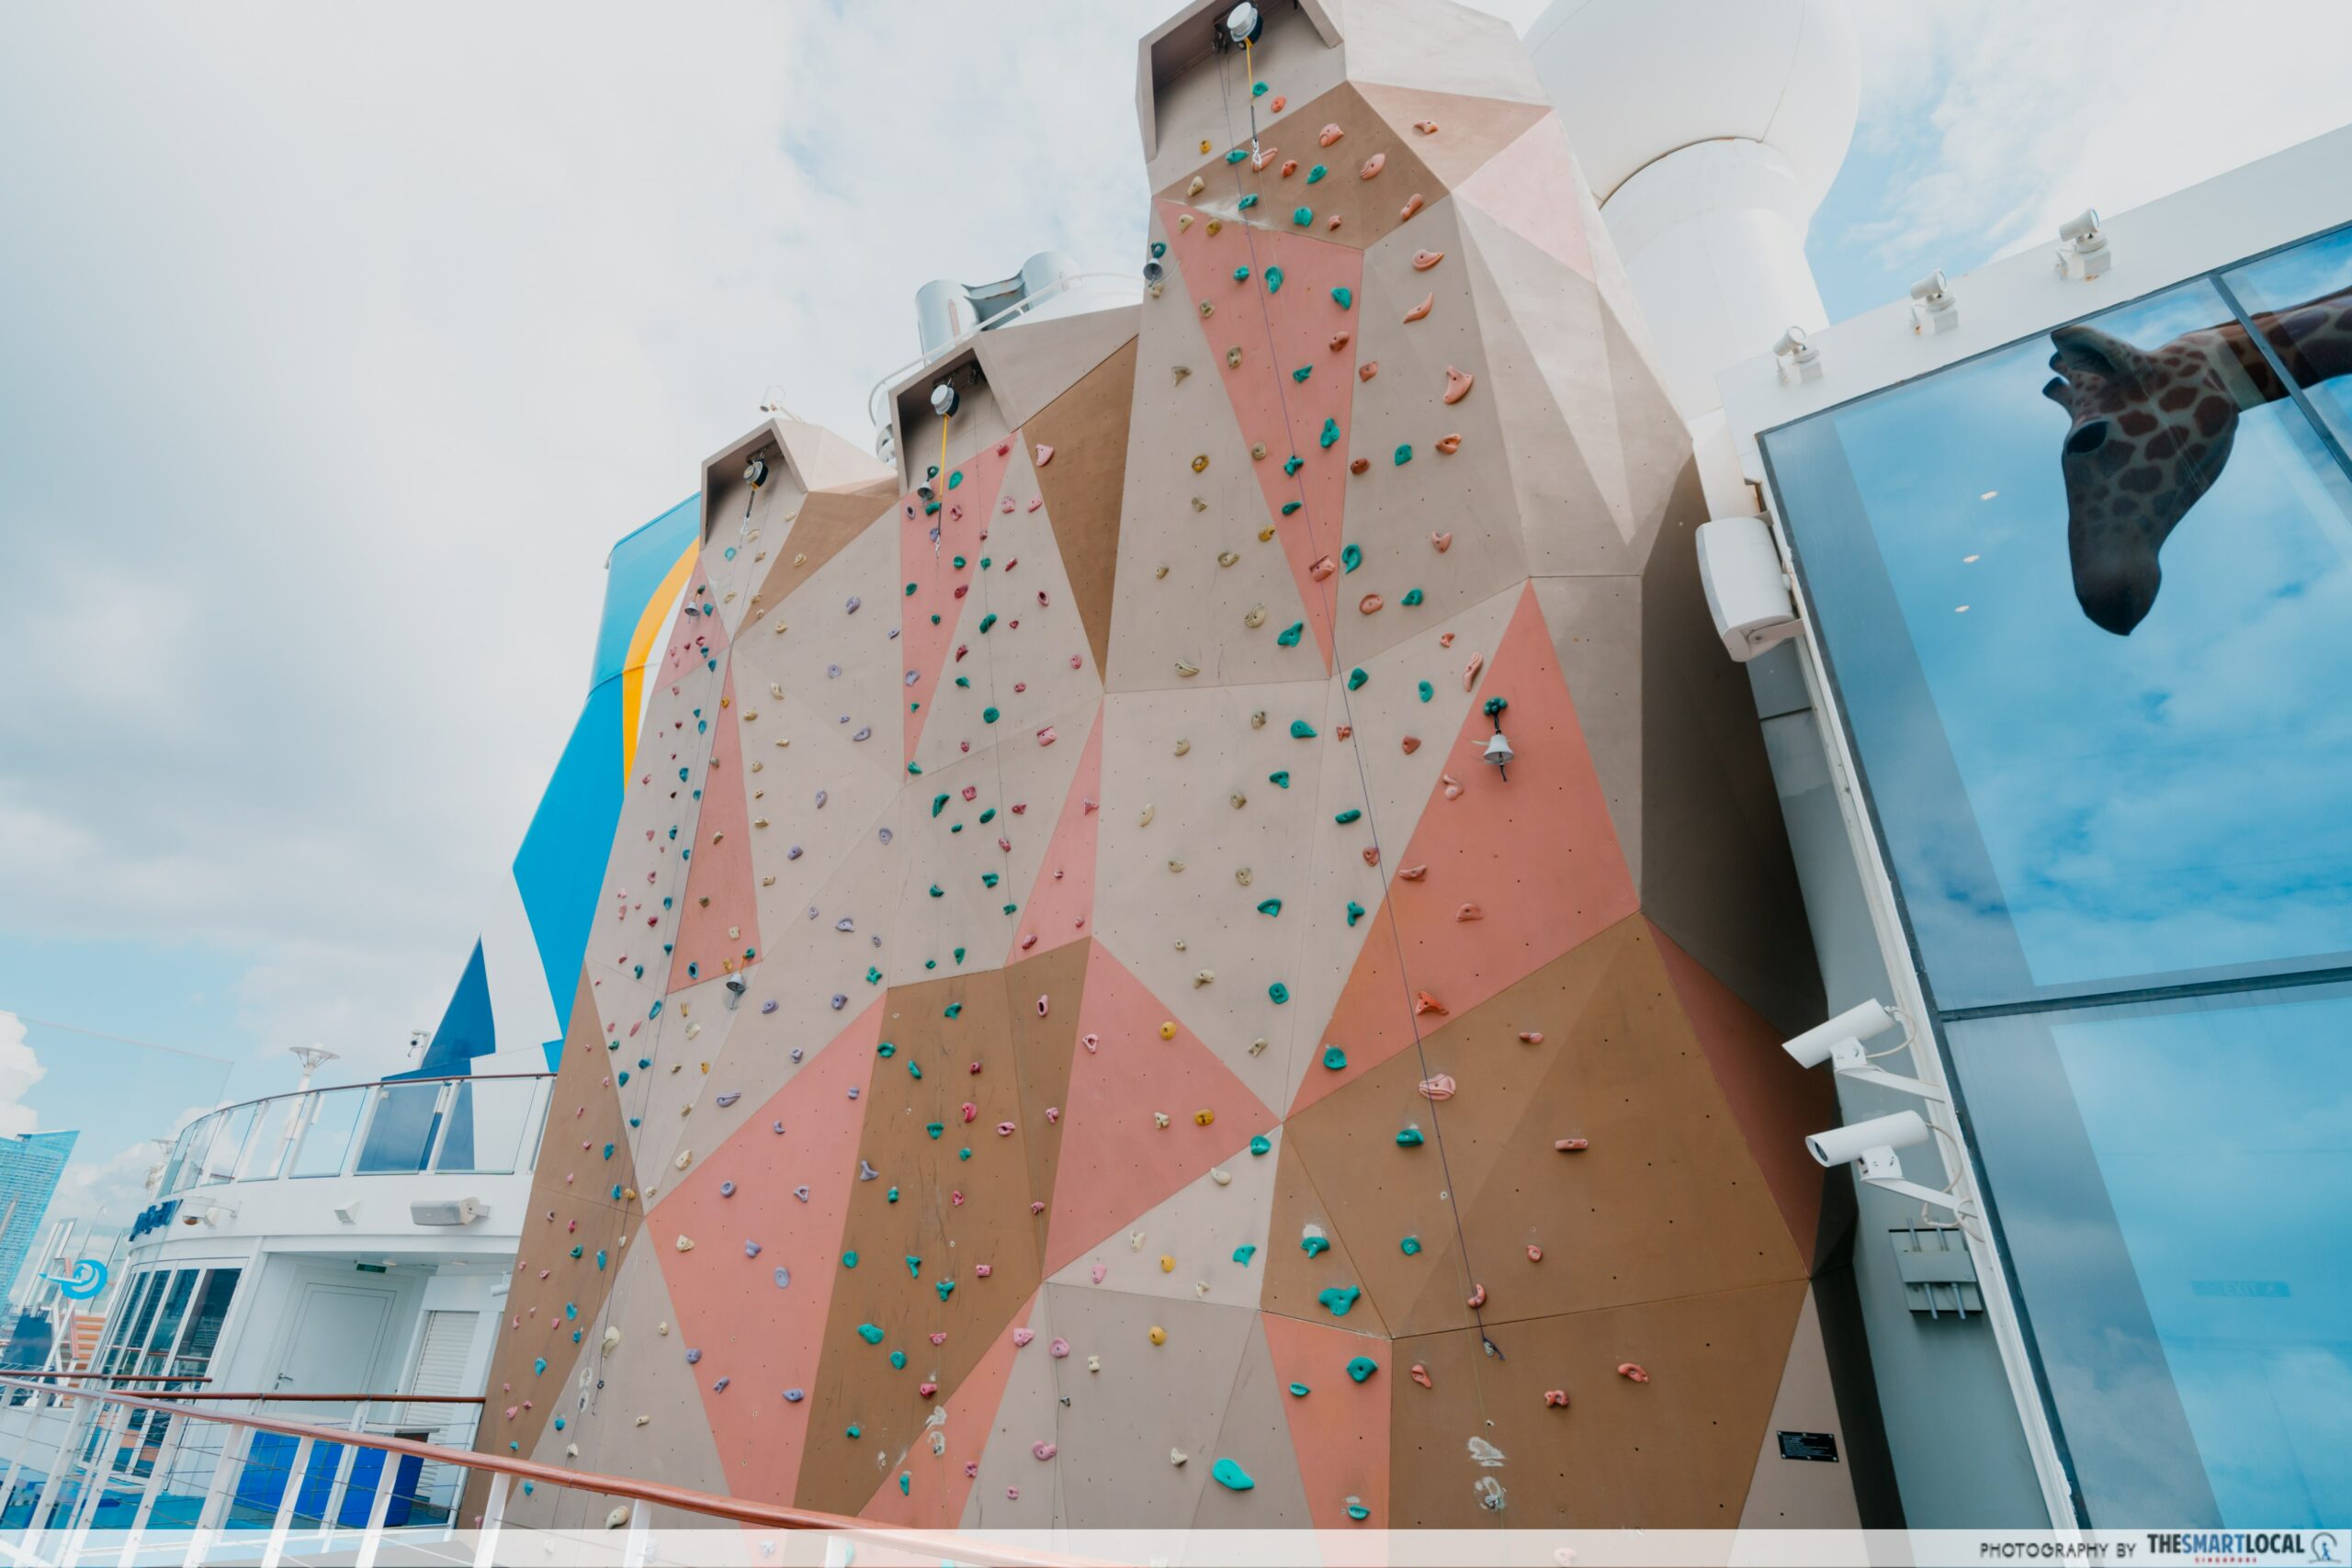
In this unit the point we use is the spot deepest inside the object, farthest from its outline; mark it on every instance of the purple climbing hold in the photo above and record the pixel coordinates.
(720, 1386)
(694, 1357)
(802, 1193)
(792, 854)
(729, 1098)
(840, 1001)
(796, 1056)
(854, 603)
(768, 1006)
(727, 1189)
(794, 1396)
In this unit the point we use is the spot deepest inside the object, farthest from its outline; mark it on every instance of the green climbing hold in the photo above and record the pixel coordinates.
(1302, 372)
(851, 1432)
(988, 879)
(871, 1334)
(915, 1270)
(899, 1360)
(1279, 992)
(915, 1071)
(906, 1484)
(885, 1049)
(1247, 202)
(1290, 506)
(1261, 1144)
(1355, 913)
(1292, 463)
(1410, 1138)
(965, 682)
(1316, 173)
(1335, 1058)
(1361, 1367)
(988, 817)
(946, 1288)
(891, 1196)
(1356, 678)
(1273, 280)
(1237, 154)
(963, 1154)
(873, 976)
(986, 621)
(1352, 814)
(1301, 217)
(955, 479)
(1344, 294)
(1404, 454)
(960, 958)
(1290, 635)
(1279, 778)
(937, 891)
(1240, 275)
(1339, 1297)
(1257, 89)
(910, 590)
(1410, 1247)
(1231, 1477)
(1428, 691)
(939, 804)
(849, 1260)
(1330, 432)
(1301, 730)
(1350, 556)
(914, 768)
(959, 563)
(1412, 596)
(1315, 1245)
(1495, 705)
(1357, 1511)
(1299, 1391)
(955, 1010)
(936, 1129)
(1269, 906)
(989, 715)
(1244, 1253)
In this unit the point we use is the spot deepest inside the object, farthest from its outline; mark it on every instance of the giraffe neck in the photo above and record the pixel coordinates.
(2313, 340)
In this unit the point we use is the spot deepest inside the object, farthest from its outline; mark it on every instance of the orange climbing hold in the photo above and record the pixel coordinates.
(1329, 134)
(1470, 912)
(1556, 1399)
(1426, 127)
(1421, 1374)
(1424, 1003)
(1448, 445)
(1470, 670)
(1424, 260)
(1373, 165)
(1422, 309)
(1572, 1145)
(1458, 384)
(1412, 205)
(1412, 744)
(1370, 604)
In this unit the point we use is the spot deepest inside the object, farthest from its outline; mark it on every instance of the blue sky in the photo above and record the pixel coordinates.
(338, 349)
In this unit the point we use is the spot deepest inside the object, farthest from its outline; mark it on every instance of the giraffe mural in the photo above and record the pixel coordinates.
(2153, 430)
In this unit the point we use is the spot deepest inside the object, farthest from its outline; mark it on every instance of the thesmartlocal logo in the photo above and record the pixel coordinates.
(2254, 1546)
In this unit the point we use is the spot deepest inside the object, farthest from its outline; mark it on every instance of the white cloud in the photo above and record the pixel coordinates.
(19, 1070)
(2012, 115)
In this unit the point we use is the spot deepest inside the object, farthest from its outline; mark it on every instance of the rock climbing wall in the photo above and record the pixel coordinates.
(1079, 1029)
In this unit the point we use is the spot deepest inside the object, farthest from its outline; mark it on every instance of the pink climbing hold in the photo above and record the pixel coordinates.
(1005, 506)
(1412, 205)
(1059, 1348)
(1329, 135)
(1022, 1337)
(1632, 1371)
(1422, 309)
(1004, 1129)
(1373, 165)
(1534, 1253)
(1572, 1145)
(1478, 1297)
(1556, 1399)
(1046, 736)
(939, 1338)
(1470, 912)
(1035, 501)
(926, 1389)
(1439, 1087)
(1424, 260)
(1531, 1037)
(1042, 1003)
(970, 1111)
(1421, 1374)
(1044, 454)
(1442, 543)
(1470, 670)
(957, 1197)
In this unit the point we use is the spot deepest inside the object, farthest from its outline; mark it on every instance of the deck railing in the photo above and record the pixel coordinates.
(105, 1475)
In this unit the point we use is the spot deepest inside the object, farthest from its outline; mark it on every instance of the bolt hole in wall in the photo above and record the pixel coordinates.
(2085, 602)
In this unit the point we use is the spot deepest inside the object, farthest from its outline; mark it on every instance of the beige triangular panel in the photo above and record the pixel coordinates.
(1596, 626)
(1190, 1239)
(1255, 1438)
(1036, 360)
(1795, 1493)
(1469, 130)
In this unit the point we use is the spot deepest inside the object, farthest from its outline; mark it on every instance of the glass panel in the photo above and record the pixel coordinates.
(486, 1126)
(2169, 1180)
(130, 1327)
(328, 1124)
(168, 1324)
(2088, 773)
(198, 1142)
(399, 1136)
(275, 1131)
(2300, 300)
(228, 1142)
(203, 1328)
(173, 1161)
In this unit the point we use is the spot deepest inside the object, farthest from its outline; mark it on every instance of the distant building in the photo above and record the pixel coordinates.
(30, 1164)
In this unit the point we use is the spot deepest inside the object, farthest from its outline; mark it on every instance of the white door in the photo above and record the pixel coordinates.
(334, 1339)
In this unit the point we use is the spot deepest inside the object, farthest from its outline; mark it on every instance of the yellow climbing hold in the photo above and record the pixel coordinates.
(1167, 1031)
(1158, 1335)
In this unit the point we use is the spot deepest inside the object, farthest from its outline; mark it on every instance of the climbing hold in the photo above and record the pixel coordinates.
(1341, 341)
(1404, 454)
(1410, 1247)
(1371, 604)
(1556, 1399)
(1356, 1510)
(1423, 1004)
(869, 1332)
(1279, 992)
(1421, 1374)
(1478, 1297)
(1231, 1477)
(1412, 598)
(1270, 907)
(1361, 1367)
(1299, 1391)
(1312, 1241)
(1344, 296)
(1447, 445)
(1327, 135)
(1330, 432)
(1439, 1087)
(1422, 309)
(1355, 913)
(1534, 1253)
(1631, 1372)
(1469, 912)
(1572, 1145)
(1043, 1451)
(1261, 1144)
(1302, 216)
(1317, 173)
(1339, 1297)
(1470, 670)
(1201, 463)
(1158, 1334)
(1289, 637)
(1240, 275)
(1352, 814)
(1335, 1058)
(1373, 165)
(1301, 730)
(1412, 205)
(1410, 1138)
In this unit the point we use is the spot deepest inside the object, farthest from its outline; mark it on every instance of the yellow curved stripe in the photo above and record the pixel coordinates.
(640, 648)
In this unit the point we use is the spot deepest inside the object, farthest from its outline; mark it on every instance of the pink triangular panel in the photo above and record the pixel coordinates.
(1289, 415)
(936, 1485)
(1339, 1431)
(930, 568)
(1062, 904)
(718, 925)
(1116, 1161)
(762, 1336)
(1536, 852)
(1526, 188)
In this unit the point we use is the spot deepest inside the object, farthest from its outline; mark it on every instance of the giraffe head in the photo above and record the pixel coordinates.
(2151, 428)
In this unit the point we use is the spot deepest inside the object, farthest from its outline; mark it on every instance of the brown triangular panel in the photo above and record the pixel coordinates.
(1083, 482)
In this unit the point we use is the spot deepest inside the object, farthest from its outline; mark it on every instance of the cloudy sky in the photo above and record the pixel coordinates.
(337, 345)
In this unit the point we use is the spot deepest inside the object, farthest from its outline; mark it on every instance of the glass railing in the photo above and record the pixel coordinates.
(488, 1125)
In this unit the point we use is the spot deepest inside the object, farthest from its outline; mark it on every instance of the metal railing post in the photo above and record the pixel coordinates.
(493, 1515)
(16, 1459)
(94, 1488)
(67, 1445)
(275, 1549)
(218, 1492)
(167, 1453)
(374, 1536)
(640, 1535)
(339, 1486)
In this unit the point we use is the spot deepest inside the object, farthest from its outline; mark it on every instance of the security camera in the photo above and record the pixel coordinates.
(2085, 254)
(1800, 361)
(1870, 1147)
(1844, 1146)
(1867, 1021)
(944, 400)
(1933, 310)
(1839, 1043)
(1739, 570)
